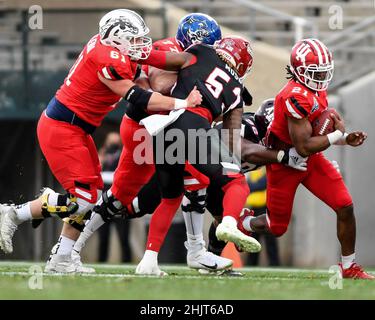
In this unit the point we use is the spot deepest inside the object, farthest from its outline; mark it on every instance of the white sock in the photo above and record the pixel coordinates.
(195, 240)
(347, 261)
(229, 220)
(81, 241)
(193, 222)
(23, 212)
(246, 224)
(66, 246)
(95, 222)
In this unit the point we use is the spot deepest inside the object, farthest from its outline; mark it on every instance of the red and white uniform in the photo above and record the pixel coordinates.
(129, 176)
(69, 150)
(321, 178)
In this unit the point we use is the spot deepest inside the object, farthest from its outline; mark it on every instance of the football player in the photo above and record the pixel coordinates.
(131, 176)
(218, 72)
(301, 101)
(65, 128)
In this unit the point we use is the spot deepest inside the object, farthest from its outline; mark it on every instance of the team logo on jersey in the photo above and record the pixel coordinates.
(315, 106)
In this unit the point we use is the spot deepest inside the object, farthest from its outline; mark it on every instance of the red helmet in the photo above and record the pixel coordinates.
(237, 52)
(312, 64)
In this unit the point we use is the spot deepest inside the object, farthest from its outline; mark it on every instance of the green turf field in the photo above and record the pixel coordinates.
(119, 282)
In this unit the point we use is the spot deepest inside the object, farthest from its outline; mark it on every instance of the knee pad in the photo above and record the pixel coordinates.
(194, 201)
(76, 220)
(108, 206)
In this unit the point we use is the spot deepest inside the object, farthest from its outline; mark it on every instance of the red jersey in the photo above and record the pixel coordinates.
(83, 92)
(296, 101)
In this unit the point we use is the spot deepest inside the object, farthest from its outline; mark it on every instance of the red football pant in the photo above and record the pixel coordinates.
(321, 178)
(129, 176)
(72, 157)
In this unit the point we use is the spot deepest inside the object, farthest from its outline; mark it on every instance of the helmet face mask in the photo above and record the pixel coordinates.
(197, 28)
(312, 64)
(126, 31)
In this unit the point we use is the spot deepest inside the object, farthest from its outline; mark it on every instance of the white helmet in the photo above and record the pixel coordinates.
(125, 30)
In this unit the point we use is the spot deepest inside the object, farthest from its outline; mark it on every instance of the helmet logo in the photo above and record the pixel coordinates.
(198, 35)
(127, 26)
(302, 51)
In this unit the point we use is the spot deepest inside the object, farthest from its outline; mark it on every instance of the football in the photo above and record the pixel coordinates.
(323, 124)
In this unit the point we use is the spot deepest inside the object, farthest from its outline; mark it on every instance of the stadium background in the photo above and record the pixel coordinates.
(33, 64)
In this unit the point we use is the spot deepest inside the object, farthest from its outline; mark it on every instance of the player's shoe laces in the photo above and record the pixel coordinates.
(227, 231)
(355, 271)
(199, 258)
(244, 214)
(8, 226)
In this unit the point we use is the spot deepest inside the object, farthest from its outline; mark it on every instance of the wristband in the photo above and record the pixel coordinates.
(280, 156)
(334, 136)
(180, 103)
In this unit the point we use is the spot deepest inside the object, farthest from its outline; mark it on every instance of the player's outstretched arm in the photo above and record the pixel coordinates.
(259, 155)
(151, 101)
(300, 132)
(171, 61)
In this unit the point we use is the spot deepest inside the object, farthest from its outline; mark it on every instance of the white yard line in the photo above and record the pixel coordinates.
(133, 276)
(170, 267)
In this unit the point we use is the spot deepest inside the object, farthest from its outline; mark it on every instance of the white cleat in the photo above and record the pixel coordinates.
(148, 269)
(60, 264)
(8, 226)
(199, 258)
(80, 268)
(229, 232)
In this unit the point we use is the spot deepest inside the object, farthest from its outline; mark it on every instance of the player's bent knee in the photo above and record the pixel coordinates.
(345, 212)
(194, 201)
(83, 213)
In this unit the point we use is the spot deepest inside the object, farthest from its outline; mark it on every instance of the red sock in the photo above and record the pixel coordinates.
(236, 193)
(161, 221)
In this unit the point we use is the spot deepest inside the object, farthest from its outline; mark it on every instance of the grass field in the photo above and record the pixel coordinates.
(119, 282)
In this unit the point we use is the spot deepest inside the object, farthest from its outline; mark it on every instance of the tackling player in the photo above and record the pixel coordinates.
(65, 128)
(131, 176)
(301, 101)
(218, 73)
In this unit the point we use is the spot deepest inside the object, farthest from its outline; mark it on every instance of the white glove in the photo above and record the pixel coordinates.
(292, 159)
(149, 265)
(336, 165)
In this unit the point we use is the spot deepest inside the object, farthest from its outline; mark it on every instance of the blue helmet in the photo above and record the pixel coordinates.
(197, 28)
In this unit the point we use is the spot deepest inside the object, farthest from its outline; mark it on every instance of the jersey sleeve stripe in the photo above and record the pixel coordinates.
(114, 73)
(292, 111)
(106, 74)
(298, 106)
